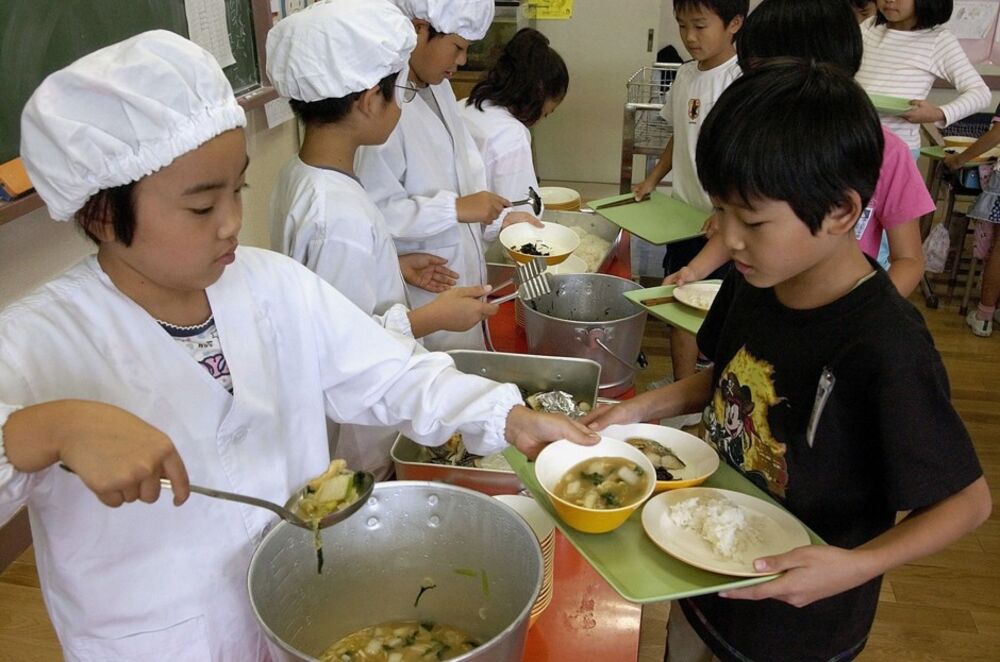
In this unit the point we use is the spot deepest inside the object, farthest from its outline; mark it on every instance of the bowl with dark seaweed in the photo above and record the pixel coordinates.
(552, 241)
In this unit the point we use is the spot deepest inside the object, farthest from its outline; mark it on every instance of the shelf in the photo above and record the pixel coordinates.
(10, 211)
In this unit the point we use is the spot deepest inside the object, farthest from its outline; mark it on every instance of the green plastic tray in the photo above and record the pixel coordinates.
(659, 220)
(887, 105)
(673, 313)
(636, 568)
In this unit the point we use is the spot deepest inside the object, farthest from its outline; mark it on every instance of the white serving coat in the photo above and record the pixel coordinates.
(415, 178)
(323, 218)
(505, 145)
(155, 582)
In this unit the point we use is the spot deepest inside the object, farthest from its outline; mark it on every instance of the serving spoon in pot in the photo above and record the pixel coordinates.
(364, 484)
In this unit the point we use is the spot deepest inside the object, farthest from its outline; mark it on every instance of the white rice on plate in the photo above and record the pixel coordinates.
(727, 528)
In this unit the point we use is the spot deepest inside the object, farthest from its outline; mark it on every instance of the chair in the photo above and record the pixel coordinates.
(955, 191)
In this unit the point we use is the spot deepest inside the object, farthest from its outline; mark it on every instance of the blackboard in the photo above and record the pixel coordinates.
(38, 37)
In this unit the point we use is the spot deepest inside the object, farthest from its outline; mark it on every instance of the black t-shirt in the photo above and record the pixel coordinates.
(842, 413)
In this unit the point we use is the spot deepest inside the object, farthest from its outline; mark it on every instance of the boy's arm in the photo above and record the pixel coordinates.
(711, 257)
(117, 455)
(815, 572)
(906, 256)
(684, 397)
(660, 170)
(985, 143)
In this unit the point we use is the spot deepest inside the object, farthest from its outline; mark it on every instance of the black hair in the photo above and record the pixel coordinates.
(525, 75)
(820, 30)
(800, 132)
(115, 205)
(433, 32)
(328, 111)
(929, 13)
(860, 4)
(727, 10)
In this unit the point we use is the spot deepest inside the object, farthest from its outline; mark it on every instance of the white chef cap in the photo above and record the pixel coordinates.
(469, 19)
(121, 113)
(335, 48)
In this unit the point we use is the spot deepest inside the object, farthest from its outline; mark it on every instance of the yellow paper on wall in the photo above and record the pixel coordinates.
(14, 178)
(548, 9)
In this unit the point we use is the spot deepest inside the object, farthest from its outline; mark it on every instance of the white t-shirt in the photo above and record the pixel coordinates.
(905, 63)
(691, 97)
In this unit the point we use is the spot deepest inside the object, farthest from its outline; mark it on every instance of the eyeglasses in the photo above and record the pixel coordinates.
(405, 92)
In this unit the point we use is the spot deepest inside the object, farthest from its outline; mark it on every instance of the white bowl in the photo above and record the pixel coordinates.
(536, 517)
(558, 196)
(700, 459)
(558, 239)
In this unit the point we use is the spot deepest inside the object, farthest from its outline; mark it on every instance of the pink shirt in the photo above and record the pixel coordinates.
(900, 195)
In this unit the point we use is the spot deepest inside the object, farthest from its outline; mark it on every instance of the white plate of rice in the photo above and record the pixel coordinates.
(720, 530)
(699, 294)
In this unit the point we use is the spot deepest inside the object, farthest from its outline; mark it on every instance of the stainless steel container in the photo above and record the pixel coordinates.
(531, 374)
(376, 560)
(587, 316)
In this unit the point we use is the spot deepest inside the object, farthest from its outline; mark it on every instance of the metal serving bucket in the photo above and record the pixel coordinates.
(483, 558)
(587, 316)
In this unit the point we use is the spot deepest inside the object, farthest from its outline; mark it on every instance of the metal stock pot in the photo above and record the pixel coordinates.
(588, 316)
(377, 559)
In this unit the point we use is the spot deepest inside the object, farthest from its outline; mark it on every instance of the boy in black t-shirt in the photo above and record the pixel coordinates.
(827, 390)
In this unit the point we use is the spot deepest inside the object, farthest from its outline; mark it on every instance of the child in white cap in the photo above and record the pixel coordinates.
(237, 355)
(338, 63)
(428, 178)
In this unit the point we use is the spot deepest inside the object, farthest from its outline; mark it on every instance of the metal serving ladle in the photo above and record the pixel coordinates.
(533, 199)
(365, 484)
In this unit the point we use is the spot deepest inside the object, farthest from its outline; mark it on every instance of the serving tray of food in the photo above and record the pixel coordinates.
(631, 561)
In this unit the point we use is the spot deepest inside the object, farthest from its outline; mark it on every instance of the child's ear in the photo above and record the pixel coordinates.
(369, 102)
(735, 25)
(841, 219)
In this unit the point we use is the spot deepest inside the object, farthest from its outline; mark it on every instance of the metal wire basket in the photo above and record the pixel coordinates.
(644, 132)
(648, 87)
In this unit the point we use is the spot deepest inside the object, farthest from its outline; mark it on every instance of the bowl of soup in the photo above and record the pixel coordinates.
(595, 488)
(552, 241)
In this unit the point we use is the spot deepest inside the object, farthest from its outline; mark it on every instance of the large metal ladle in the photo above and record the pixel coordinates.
(364, 486)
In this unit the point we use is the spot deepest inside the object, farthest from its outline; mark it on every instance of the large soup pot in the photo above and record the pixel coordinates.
(377, 559)
(588, 316)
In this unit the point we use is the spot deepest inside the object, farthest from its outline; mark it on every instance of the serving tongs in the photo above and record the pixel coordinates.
(364, 483)
(532, 281)
(533, 199)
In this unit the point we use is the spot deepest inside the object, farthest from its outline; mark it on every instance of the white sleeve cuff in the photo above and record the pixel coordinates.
(494, 438)
(397, 319)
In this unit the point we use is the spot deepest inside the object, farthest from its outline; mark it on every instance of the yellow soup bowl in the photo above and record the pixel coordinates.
(556, 241)
(559, 457)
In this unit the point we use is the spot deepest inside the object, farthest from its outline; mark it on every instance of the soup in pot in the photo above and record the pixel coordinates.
(401, 641)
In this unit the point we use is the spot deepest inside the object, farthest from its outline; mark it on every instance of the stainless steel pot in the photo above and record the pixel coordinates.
(377, 559)
(587, 316)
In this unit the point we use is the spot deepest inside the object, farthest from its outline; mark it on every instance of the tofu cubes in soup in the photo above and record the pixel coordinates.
(603, 483)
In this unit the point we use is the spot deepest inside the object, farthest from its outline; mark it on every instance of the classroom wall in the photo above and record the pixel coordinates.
(35, 249)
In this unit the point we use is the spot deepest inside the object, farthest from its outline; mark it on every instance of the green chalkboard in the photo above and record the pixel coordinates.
(38, 37)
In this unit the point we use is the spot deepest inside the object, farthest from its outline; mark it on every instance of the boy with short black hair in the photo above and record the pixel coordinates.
(707, 28)
(809, 397)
